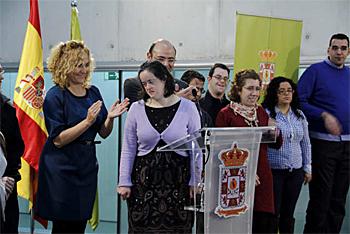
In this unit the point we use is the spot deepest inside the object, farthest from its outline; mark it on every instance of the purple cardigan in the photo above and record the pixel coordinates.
(141, 138)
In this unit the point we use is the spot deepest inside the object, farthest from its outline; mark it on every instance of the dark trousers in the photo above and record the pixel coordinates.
(329, 186)
(286, 186)
(11, 213)
(69, 226)
(264, 222)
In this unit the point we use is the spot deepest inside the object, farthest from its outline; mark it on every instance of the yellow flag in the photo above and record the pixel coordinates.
(74, 25)
(76, 35)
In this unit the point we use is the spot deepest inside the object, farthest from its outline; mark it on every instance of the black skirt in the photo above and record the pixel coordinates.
(159, 193)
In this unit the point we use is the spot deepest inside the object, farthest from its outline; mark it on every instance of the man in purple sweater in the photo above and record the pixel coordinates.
(325, 99)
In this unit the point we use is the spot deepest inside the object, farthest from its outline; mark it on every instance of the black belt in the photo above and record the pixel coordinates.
(89, 142)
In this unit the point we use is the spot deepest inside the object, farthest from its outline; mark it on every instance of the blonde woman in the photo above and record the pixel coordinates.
(74, 114)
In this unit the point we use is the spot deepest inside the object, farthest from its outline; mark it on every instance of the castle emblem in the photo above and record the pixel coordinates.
(232, 182)
(267, 67)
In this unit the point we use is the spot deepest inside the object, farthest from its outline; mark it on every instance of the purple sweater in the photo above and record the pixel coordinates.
(140, 138)
(324, 87)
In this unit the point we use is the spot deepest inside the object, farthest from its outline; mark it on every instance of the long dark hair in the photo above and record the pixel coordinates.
(271, 99)
(161, 73)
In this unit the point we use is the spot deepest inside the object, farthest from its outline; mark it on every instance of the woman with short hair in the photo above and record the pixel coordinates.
(244, 111)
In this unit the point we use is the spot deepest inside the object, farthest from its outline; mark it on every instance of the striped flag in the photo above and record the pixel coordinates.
(28, 100)
(76, 35)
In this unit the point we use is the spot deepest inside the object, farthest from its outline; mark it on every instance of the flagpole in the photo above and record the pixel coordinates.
(31, 210)
(31, 221)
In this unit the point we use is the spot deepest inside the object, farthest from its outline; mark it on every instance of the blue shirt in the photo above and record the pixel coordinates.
(324, 87)
(296, 148)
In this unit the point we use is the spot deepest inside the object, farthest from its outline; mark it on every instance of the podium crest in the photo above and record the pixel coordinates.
(232, 182)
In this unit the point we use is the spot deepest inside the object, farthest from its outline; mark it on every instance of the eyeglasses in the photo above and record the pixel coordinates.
(220, 78)
(285, 92)
(253, 88)
(342, 48)
(163, 60)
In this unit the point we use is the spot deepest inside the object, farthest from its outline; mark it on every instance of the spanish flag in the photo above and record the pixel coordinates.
(28, 101)
(76, 35)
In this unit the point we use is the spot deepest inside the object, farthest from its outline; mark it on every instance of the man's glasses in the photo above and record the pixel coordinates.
(220, 78)
(285, 92)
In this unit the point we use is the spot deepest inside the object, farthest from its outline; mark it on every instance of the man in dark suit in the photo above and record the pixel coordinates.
(13, 151)
(163, 51)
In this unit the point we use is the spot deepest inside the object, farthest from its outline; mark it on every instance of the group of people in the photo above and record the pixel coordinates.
(283, 167)
(161, 109)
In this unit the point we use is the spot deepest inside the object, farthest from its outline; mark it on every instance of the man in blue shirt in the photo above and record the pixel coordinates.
(325, 99)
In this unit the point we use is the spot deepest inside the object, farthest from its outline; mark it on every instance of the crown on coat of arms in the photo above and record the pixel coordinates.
(234, 157)
(267, 55)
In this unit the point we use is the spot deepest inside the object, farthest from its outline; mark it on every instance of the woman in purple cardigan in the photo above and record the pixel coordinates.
(157, 185)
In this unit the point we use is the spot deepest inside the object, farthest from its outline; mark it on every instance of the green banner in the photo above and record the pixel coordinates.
(74, 25)
(270, 46)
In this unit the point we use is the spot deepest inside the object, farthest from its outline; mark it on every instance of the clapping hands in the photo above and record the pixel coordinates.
(118, 108)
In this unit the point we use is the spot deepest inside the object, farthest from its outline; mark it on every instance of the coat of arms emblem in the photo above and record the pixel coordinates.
(232, 182)
(267, 67)
(31, 87)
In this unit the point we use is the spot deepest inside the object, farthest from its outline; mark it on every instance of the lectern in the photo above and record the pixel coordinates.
(227, 183)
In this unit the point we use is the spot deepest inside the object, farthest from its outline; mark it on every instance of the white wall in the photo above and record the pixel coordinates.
(120, 31)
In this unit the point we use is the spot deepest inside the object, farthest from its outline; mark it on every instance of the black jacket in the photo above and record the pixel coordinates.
(213, 105)
(14, 142)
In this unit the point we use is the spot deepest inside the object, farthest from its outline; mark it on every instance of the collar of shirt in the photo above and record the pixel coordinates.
(329, 62)
(277, 110)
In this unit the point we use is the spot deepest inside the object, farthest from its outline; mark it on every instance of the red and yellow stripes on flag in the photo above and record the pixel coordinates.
(28, 101)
